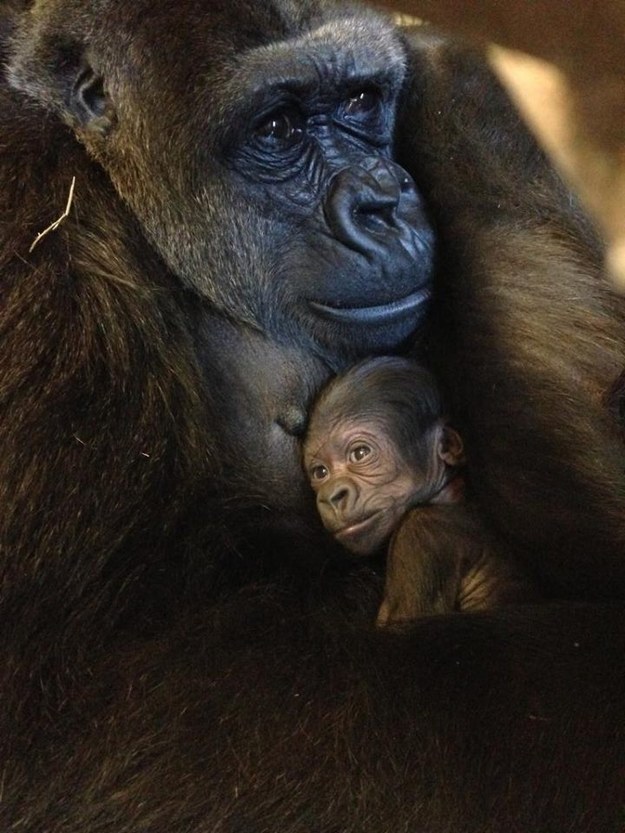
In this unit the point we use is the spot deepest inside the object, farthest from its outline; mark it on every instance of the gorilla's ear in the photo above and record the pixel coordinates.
(89, 102)
(56, 70)
(450, 446)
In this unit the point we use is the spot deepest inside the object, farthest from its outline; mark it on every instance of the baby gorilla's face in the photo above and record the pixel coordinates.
(362, 483)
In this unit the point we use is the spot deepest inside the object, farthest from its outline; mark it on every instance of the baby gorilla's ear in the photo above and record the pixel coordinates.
(450, 446)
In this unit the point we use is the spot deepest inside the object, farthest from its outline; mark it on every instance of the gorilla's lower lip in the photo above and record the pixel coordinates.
(373, 315)
(357, 528)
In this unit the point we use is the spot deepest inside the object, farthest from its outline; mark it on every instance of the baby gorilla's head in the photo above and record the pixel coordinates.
(377, 444)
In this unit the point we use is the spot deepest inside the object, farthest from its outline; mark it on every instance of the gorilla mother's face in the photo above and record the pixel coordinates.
(261, 166)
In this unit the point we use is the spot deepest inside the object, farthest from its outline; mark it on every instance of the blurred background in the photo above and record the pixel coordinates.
(563, 62)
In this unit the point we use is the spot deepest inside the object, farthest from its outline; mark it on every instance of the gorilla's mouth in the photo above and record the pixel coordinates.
(373, 315)
(356, 527)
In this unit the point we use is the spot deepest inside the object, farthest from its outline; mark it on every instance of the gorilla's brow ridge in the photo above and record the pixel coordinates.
(334, 56)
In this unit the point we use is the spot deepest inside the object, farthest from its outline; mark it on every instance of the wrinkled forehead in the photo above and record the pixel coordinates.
(335, 52)
(339, 55)
(328, 433)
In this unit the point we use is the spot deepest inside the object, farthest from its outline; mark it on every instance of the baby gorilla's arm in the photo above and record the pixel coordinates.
(440, 560)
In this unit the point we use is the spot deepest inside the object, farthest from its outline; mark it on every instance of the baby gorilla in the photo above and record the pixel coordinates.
(386, 465)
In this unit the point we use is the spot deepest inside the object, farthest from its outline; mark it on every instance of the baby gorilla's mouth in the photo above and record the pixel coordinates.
(356, 536)
(359, 524)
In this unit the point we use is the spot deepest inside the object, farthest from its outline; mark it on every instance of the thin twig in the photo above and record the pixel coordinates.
(53, 226)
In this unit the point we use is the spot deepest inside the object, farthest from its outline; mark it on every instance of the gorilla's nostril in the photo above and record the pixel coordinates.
(406, 185)
(376, 215)
(337, 497)
(365, 202)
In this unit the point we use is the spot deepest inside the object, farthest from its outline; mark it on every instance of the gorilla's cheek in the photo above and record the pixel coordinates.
(261, 393)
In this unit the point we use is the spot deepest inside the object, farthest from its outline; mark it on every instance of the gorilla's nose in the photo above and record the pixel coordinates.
(337, 496)
(366, 202)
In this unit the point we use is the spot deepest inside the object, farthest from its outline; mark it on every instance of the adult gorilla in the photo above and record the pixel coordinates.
(239, 230)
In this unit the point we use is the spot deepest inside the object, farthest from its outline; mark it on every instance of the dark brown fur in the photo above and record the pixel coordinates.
(160, 671)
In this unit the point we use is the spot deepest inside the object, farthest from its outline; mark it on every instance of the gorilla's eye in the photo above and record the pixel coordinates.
(359, 453)
(281, 128)
(318, 472)
(362, 103)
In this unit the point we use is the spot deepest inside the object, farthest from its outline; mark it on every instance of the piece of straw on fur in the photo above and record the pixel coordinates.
(53, 226)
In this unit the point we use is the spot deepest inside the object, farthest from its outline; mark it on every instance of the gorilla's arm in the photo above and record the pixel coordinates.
(267, 713)
(441, 560)
(528, 334)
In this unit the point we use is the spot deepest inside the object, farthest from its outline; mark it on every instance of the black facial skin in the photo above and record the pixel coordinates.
(342, 259)
(166, 663)
(361, 262)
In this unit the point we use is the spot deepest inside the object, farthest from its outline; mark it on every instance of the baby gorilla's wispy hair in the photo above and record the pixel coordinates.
(397, 392)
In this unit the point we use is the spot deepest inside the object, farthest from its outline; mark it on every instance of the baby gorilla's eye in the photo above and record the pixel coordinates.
(359, 453)
(318, 472)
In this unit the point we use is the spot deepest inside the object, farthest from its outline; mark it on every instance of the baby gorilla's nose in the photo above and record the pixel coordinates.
(338, 497)
(335, 501)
